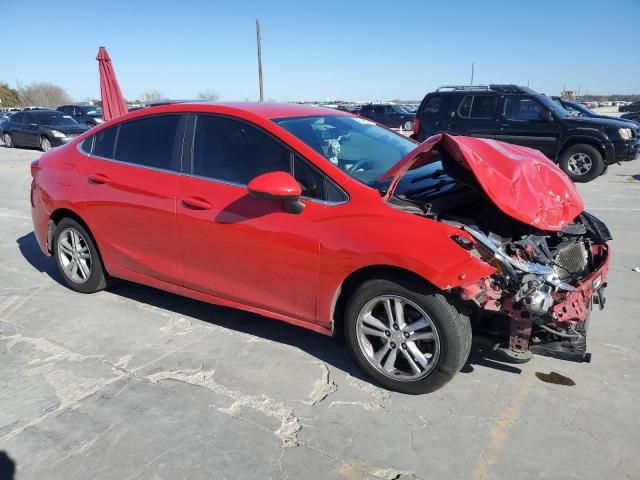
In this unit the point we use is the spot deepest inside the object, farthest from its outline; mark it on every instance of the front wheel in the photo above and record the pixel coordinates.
(407, 126)
(405, 336)
(77, 257)
(582, 163)
(45, 144)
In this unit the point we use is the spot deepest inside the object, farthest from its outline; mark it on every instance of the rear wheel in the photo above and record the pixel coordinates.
(45, 144)
(407, 126)
(582, 163)
(77, 257)
(405, 336)
(8, 141)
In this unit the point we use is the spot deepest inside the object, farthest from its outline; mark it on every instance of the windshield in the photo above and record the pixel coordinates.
(553, 106)
(361, 148)
(91, 111)
(53, 119)
(400, 108)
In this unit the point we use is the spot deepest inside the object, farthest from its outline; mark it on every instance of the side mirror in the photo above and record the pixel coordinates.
(279, 186)
(545, 116)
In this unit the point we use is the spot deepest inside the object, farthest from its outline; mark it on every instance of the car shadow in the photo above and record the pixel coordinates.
(331, 350)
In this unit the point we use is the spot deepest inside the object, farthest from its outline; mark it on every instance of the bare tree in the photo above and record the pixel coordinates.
(43, 94)
(208, 96)
(152, 96)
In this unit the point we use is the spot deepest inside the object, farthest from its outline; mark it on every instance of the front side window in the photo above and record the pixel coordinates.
(52, 119)
(234, 151)
(360, 147)
(148, 141)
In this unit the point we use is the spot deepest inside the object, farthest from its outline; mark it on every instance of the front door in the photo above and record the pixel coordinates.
(130, 195)
(525, 121)
(241, 248)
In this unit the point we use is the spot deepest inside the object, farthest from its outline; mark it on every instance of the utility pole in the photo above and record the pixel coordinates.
(259, 59)
(472, 71)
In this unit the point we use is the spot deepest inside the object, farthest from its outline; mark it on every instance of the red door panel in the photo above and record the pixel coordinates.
(249, 250)
(132, 211)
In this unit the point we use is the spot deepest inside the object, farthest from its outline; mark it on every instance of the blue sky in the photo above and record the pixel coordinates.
(347, 49)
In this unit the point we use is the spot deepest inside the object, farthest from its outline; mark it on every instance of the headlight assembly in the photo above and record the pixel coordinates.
(625, 133)
(58, 134)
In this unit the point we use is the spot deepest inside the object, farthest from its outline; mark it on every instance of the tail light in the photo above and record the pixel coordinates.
(35, 166)
(416, 125)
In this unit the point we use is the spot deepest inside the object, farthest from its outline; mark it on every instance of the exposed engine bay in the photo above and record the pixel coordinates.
(545, 282)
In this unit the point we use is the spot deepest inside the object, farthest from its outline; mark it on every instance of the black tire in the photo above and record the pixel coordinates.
(454, 331)
(97, 279)
(597, 162)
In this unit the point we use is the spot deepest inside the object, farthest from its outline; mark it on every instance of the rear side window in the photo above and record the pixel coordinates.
(478, 106)
(148, 141)
(17, 117)
(105, 142)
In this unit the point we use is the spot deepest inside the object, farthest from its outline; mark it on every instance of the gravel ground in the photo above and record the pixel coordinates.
(137, 383)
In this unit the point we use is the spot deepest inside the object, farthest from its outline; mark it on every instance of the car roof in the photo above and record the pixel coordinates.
(268, 110)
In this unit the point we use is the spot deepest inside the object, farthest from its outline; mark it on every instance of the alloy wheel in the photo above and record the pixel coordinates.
(7, 140)
(579, 164)
(74, 255)
(398, 338)
(45, 143)
(408, 125)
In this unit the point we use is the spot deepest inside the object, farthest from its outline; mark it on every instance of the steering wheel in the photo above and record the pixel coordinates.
(359, 164)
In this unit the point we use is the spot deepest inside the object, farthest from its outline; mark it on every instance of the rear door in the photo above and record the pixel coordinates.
(242, 248)
(130, 194)
(521, 123)
(476, 116)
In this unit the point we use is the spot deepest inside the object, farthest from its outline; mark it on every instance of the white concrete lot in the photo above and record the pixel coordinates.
(134, 383)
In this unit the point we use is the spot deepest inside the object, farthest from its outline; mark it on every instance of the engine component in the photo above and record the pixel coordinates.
(539, 301)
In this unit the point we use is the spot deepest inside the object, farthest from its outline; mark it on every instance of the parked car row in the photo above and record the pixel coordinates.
(583, 146)
(39, 128)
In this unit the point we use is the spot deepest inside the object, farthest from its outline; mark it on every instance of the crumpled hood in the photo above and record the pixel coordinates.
(520, 181)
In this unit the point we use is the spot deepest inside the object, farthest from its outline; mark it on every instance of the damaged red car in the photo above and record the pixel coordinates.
(329, 221)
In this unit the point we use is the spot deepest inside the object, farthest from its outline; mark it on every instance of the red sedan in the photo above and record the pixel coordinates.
(329, 221)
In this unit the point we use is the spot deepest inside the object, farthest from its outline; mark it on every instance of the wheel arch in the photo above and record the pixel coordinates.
(593, 142)
(361, 275)
(55, 218)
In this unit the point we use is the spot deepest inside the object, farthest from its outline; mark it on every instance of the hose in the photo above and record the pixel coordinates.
(560, 334)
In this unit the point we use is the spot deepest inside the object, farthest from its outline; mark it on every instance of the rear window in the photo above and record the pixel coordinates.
(432, 105)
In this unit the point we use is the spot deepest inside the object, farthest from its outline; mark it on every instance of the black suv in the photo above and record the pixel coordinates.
(389, 115)
(582, 146)
(84, 114)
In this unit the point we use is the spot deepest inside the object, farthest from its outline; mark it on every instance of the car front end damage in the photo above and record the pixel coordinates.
(519, 213)
(545, 286)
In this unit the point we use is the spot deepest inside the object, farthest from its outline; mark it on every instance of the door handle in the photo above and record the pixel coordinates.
(98, 178)
(196, 203)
